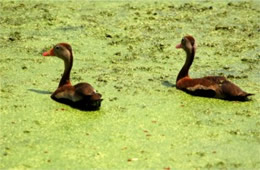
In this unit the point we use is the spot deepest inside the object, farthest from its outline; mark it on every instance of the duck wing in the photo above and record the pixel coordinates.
(87, 91)
(229, 90)
(84, 89)
(198, 87)
(215, 79)
(232, 92)
(90, 99)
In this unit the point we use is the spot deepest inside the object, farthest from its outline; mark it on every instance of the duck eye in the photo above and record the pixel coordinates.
(182, 40)
(57, 48)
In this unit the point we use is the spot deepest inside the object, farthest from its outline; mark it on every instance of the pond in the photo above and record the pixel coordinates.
(126, 50)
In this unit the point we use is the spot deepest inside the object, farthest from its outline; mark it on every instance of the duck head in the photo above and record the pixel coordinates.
(187, 44)
(61, 50)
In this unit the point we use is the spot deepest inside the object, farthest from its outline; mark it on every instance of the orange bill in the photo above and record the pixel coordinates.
(49, 53)
(179, 46)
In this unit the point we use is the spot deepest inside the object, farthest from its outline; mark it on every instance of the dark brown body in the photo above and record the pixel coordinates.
(82, 95)
(210, 86)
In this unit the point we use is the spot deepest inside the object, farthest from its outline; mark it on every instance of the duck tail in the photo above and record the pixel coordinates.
(96, 97)
(249, 94)
(95, 101)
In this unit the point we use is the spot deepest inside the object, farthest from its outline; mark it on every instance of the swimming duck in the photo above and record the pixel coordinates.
(81, 95)
(210, 86)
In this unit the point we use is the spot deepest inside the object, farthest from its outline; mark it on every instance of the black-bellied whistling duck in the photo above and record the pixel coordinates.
(210, 86)
(82, 95)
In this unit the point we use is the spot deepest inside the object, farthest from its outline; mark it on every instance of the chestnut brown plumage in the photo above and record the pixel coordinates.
(210, 86)
(81, 95)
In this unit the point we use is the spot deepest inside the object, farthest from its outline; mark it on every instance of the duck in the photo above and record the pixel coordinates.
(82, 95)
(209, 86)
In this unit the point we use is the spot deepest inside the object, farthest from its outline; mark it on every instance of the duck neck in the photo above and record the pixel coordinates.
(185, 68)
(65, 80)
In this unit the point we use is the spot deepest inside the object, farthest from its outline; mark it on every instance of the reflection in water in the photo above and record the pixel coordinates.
(168, 84)
(40, 91)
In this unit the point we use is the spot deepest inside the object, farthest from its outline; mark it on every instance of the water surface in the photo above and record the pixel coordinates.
(126, 50)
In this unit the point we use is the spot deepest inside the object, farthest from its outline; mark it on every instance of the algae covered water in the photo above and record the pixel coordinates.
(126, 50)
